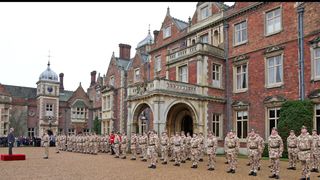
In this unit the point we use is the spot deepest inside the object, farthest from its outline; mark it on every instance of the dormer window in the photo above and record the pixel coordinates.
(111, 81)
(204, 12)
(167, 32)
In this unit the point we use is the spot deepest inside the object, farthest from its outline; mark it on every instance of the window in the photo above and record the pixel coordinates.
(274, 70)
(30, 132)
(158, 63)
(111, 81)
(216, 75)
(167, 32)
(78, 112)
(49, 109)
(316, 63)
(108, 102)
(204, 38)
(204, 12)
(241, 77)
(71, 132)
(242, 124)
(273, 21)
(217, 125)
(136, 75)
(317, 117)
(240, 33)
(273, 117)
(104, 103)
(86, 130)
(183, 73)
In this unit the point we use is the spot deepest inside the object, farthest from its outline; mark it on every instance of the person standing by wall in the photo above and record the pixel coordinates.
(11, 140)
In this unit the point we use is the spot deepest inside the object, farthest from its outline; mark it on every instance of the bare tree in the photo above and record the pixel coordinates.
(18, 120)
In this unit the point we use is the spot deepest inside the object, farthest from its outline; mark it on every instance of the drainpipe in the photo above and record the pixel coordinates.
(228, 96)
(300, 11)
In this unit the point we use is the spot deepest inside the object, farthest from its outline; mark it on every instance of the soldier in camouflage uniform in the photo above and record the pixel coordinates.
(231, 145)
(315, 154)
(212, 144)
(188, 146)
(183, 147)
(292, 150)
(164, 144)
(117, 141)
(260, 151)
(58, 142)
(275, 147)
(254, 147)
(201, 148)
(195, 144)
(152, 146)
(305, 147)
(133, 145)
(106, 142)
(177, 149)
(171, 147)
(143, 145)
(124, 142)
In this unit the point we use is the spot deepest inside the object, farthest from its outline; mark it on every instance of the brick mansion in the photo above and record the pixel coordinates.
(225, 67)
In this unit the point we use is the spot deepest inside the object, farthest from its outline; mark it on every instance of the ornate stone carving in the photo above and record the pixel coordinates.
(273, 49)
(315, 42)
(240, 105)
(272, 101)
(240, 58)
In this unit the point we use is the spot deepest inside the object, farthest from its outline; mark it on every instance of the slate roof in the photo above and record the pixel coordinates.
(180, 24)
(123, 63)
(65, 96)
(21, 92)
(146, 40)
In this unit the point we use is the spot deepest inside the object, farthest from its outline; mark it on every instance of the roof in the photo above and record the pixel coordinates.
(145, 57)
(21, 92)
(145, 41)
(123, 63)
(180, 24)
(79, 103)
(65, 95)
(3, 90)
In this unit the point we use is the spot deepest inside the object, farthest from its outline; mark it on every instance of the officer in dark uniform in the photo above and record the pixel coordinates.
(11, 140)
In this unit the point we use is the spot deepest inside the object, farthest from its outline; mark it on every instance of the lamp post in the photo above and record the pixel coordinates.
(143, 121)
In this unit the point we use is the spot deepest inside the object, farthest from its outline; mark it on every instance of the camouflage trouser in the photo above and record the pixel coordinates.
(275, 166)
(117, 149)
(188, 151)
(177, 154)
(305, 159)
(95, 148)
(46, 149)
(164, 153)
(254, 159)
(315, 160)
(183, 153)
(292, 156)
(107, 146)
(201, 151)
(153, 155)
(90, 148)
(231, 157)
(123, 150)
(144, 151)
(133, 152)
(212, 157)
(194, 156)
(57, 146)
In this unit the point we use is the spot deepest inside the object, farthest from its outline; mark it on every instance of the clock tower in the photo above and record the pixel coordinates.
(48, 102)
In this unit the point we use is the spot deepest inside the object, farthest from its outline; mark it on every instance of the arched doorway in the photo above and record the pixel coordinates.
(180, 118)
(142, 119)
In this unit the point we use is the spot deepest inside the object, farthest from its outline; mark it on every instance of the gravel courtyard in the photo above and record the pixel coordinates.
(69, 166)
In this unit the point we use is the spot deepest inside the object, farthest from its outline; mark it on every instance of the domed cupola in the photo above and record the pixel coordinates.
(48, 75)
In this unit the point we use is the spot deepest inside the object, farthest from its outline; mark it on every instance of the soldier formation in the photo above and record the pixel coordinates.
(182, 147)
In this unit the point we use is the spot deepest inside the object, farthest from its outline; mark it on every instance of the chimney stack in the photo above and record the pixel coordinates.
(61, 82)
(155, 34)
(93, 78)
(124, 51)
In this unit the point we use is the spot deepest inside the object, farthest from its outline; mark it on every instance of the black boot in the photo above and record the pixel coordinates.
(254, 174)
(151, 166)
(277, 177)
(248, 164)
(210, 169)
(201, 160)
(233, 171)
(251, 173)
(273, 176)
(164, 162)
(230, 171)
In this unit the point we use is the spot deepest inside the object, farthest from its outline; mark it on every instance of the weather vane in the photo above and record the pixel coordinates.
(49, 56)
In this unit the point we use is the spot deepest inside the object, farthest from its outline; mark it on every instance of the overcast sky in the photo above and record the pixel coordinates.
(81, 36)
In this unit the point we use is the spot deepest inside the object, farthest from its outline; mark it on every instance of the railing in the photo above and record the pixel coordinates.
(164, 84)
(197, 48)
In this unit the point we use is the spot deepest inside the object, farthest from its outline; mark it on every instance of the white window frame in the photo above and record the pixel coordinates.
(220, 126)
(204, 14)
(275, 84)
(235, 77)
(180, 76)
(242, 120)
(49, 109)
(111, 81)
(202, 38)
(235, 31)
(216, 83)
(276, 118)
(272, 19)
(314, 61)
(136, 79)
(31, 132)
(108, 102)
(166, 32)
(158, 63)
(71, 131)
